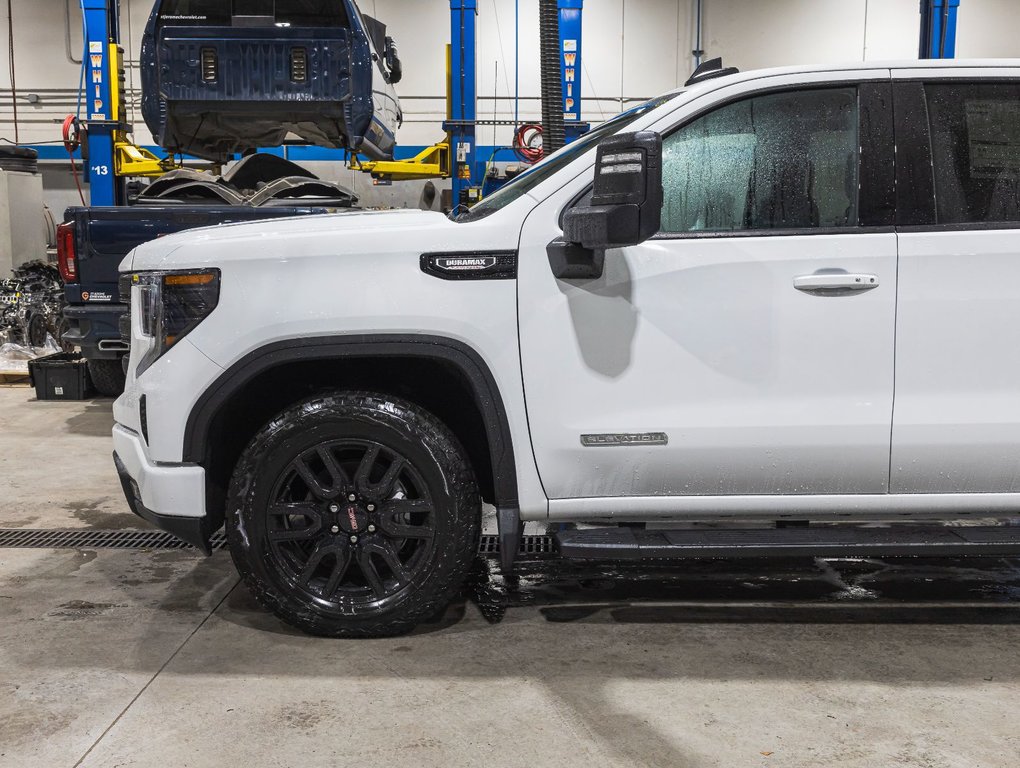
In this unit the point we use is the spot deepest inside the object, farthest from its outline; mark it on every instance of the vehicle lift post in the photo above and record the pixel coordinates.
(462, 118)
(570, 66)
(938, 29)
(102, 33)
(112, 157)
(467, 180)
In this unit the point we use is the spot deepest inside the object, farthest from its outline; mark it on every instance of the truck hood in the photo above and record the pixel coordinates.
(352, 231)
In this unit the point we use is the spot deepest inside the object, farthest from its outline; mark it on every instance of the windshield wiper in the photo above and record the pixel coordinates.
(457, 212)
(464, 214)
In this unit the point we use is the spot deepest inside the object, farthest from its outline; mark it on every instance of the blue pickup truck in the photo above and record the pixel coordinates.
(92, 242)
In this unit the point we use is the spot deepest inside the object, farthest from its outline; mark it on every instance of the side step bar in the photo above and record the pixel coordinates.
(831, 541)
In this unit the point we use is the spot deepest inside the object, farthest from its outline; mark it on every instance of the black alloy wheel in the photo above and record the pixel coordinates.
(354, 514)
(351, 524)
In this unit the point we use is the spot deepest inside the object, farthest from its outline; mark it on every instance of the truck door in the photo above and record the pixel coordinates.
(956, 425)
(747, 349)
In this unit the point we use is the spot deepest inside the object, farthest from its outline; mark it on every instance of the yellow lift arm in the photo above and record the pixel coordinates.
(128, 158)
(432, 162)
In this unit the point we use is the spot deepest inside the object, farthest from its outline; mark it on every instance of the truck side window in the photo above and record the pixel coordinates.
(778, 161)
(975, 142)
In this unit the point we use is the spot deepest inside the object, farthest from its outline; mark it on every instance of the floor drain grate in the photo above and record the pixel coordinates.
(88, 538)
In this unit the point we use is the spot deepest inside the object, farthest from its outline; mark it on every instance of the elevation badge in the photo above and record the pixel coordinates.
(613, 439)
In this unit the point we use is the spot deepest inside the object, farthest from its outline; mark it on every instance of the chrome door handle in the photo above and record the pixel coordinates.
(835, 283)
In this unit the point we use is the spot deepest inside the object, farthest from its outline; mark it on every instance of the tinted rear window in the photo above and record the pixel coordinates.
(975, 141)
(295, 13)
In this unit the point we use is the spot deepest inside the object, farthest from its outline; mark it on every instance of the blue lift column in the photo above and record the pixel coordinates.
(570, 66)
(467, 177)
(938, 29)
(102, 33)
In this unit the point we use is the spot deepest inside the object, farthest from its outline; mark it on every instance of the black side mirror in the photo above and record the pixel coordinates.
(626, 203)
(625, 207)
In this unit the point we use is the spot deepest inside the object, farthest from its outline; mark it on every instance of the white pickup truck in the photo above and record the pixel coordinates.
(784, 295)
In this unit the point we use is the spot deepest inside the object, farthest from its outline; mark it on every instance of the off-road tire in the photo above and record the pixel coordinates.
(275, 458)
(107, 376)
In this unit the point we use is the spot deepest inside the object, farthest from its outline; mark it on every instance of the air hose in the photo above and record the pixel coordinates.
(71, 134)
(526, 145)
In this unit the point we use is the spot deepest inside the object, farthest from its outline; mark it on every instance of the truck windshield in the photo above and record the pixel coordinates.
(225, 13)
(546, 168)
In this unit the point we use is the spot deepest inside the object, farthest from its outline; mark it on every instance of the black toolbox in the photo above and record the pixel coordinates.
(62, 376)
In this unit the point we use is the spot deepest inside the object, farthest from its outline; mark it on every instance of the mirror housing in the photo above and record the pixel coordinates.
(626, 203)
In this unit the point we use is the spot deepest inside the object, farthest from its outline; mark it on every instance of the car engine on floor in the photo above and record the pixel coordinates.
(31, 305)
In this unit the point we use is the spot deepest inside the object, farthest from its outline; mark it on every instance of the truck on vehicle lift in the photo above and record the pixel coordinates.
(221, 77)
(784, 295)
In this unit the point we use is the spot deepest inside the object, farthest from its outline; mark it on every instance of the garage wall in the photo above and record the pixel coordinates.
(633, 49)
(993, 32)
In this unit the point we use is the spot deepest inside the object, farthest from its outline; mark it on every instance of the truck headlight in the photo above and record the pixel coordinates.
(169, 306)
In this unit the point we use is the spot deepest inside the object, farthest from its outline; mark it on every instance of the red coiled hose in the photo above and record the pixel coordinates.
(525, 144)
(71, 133)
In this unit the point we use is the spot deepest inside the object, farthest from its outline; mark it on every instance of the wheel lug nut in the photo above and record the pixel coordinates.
(352, 497)
(334, 508)
(335, 529)
(371, 529)
(371, 507)
(354, 539)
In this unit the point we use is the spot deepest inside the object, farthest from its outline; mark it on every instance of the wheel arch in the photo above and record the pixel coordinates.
(440, 374)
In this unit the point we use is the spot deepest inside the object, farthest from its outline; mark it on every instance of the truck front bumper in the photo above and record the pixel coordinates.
(170, 496)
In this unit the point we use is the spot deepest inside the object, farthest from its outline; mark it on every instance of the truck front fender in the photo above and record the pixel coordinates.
(454, 354)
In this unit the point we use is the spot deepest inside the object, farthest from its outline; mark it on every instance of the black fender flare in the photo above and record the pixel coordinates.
(455, 353)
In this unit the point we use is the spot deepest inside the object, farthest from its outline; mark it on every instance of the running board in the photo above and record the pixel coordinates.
(640, 544)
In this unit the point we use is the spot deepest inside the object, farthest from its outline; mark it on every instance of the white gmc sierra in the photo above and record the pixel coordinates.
(779, 295)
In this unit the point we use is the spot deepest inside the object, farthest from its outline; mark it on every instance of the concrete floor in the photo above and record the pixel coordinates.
(134, 658)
